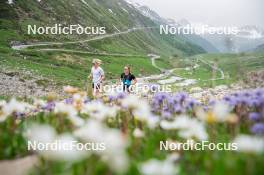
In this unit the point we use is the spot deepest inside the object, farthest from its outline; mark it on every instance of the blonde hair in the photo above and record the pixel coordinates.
(97, 61)
(129, 68)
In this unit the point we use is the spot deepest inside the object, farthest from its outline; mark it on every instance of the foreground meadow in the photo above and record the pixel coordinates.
(132, 135)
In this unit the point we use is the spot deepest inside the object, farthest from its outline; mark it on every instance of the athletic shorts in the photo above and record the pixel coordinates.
(126, 88)
(97, 86)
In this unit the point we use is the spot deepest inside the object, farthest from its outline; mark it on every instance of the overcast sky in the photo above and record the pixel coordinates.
(214, 12)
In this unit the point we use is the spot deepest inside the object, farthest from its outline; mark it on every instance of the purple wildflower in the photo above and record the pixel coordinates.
(258, 129)
(87, 100)
(111, 98)
(166, 114)
(68, 101)
(121, 95)
(49, 106)
(19, 115)
(254, 116)
(178, 108)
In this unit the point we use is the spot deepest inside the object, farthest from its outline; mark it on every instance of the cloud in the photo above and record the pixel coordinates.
(214, 12)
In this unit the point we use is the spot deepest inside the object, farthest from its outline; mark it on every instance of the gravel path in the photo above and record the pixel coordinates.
(25, 84)
(18, 166)
(199, 58)
(24, 46)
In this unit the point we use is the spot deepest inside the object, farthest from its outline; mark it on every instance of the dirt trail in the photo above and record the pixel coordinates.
(164, 73)
(92, 53)
(24, 46)
(199, 58)
(18, 166)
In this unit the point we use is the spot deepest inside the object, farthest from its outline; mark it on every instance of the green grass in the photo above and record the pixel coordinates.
(72, 69)
(140, 150)
(235, 67)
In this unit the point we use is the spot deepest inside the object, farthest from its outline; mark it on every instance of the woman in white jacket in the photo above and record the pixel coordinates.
(97, 75)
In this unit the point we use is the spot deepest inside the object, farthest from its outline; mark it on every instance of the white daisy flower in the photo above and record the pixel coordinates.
(138, 133)
(249, 144)
(99, 111)
(158, 167)
(115, 153)
(188, 127)
(44, 140)
(70, 111)
(13, 106)
(221, 110)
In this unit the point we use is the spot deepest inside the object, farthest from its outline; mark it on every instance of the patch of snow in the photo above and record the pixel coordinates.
(133, 4)
(83, 1)
(110, 11)
(251, 34)
(124, 9)
(10, 2)
(130, 2)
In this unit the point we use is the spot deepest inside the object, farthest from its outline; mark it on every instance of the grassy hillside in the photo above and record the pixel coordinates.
(70, 67)
(113, 14)
(234, 66)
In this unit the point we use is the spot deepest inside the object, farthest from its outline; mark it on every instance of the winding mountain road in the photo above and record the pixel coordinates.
(92, 53)
(24, 46)
(164, 73)
(200, 58)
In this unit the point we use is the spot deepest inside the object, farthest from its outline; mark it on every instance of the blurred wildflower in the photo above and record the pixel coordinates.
(52, 96)
(38, 103)
(133, 102)
(220, 112)
(188, 127)
(70, 89)
(55, 148)
(2, 103)
(115, 153)
(49, 106)
(173, 157)
(70, 112)
(140, 109)
(99, 111)
(138, 133)
(249, 144)
(258, 129)
(254, 116)
(13, 107)
(158, 167)
(79, 99)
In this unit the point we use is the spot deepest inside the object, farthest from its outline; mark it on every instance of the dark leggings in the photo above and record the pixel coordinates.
(126, 88)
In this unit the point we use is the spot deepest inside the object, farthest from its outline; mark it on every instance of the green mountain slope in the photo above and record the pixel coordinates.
(71, 67)
(115, 15)
(206, 45)
(260, 49)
